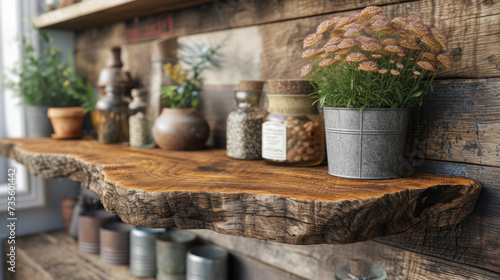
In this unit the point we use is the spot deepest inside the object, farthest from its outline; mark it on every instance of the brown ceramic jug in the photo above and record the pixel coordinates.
(180, 129)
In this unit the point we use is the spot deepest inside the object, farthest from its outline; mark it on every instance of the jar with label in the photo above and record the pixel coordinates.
(140, 135)
(112, 116)
(293, 131)
(244, 124)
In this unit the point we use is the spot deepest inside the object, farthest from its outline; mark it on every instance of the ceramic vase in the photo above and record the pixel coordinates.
(180, 129)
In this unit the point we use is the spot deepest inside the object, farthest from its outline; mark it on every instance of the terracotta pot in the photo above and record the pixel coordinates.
(67, 207)
(180, 129)
(67, 122)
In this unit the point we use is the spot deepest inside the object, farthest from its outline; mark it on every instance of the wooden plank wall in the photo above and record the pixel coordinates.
(456, 132)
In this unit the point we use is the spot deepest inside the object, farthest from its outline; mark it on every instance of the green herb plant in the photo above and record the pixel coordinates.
(371, 61)
(79, 89)
(40, 79)
(186, 94)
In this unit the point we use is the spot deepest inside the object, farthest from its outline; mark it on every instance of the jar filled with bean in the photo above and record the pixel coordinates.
(293, 130)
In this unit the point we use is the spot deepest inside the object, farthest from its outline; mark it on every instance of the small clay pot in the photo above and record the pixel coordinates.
(180, 129)
(67, 122)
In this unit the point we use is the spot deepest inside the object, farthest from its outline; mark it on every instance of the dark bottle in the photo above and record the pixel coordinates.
(112, 115)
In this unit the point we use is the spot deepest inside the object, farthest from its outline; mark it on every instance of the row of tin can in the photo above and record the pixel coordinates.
(167, 254)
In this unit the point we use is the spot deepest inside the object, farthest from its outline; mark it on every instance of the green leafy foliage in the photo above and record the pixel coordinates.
(186, 94)
(40, 79)
(344, 85)
(78, 88)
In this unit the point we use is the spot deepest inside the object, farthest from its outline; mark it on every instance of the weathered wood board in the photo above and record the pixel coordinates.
(471, 27)
(318, 262)
(476, 240)
(460, 122)
(207, 190)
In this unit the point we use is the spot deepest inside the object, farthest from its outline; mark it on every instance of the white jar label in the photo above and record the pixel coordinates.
(274, 141)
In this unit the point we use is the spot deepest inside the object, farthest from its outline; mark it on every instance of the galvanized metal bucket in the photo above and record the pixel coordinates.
(171, 249)
(207, 263)
(143, 251)
(366, 144)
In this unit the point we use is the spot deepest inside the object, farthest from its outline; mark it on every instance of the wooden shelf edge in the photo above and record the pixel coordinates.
(125, 183)
(92, 13)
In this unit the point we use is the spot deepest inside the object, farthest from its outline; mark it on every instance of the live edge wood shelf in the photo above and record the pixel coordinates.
(207, 190)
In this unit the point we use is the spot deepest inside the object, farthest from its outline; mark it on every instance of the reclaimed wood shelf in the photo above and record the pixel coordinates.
(207, 190)
(91, 13)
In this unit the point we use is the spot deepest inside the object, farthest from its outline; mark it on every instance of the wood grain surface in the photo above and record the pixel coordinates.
(471, 27)
(206, 190)
(476, 240)
(459, 122)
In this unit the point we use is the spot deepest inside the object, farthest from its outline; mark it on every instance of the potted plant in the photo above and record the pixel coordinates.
(180, 126)
(366, 75)
(40, 84)
(68, 121)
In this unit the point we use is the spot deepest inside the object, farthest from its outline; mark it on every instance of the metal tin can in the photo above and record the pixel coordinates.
(207, 263)
(143, 251)
(171, 249)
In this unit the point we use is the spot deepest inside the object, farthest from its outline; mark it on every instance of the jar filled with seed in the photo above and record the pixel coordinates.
(293, 131)
(244, 124)
(139, 123)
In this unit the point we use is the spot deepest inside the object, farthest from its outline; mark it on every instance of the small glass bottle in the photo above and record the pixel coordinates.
(293, 131)
(139, 123)
(244, 126)
(112, 115)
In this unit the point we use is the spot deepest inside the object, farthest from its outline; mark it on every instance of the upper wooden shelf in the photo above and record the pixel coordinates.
(91, 13)
(207, 190)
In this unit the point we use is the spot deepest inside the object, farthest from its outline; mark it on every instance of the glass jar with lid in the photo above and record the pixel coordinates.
(293, 130)
(112, 116)
(244, 124)
(140, 135)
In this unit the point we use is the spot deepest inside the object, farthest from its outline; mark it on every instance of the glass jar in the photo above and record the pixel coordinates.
(112, 116)
(140, 135)
(293, 131)
(244, 127)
